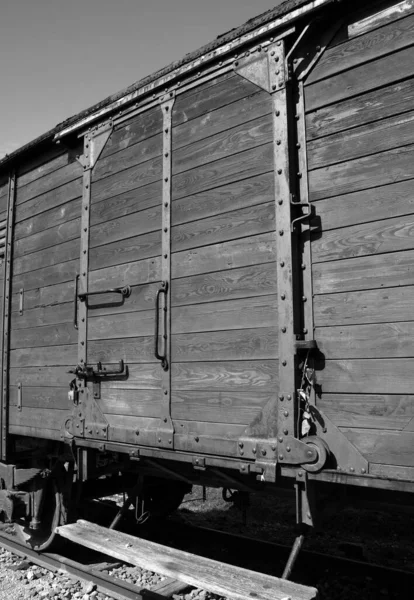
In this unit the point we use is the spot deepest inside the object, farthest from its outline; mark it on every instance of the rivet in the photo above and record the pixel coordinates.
(300, 474)
(281, 440)
(287, 448)
(273, 447)
(280, 202)
(273, 87)
(303, 267)
(283, 296)
(196, 439)
(166, 204)
(241, 444)
(277, 59)
(277, 113)
(281, 397)
(166, 155)
(254, 449)
(166, 131)
(286, 413)
(299, 175)
(285, 431)
(318, 48)
(165, 229)
(236, 64)
(84, 251)
(82, 343)
(279, 43)
(165, 419)
(284, 363)
(165, 392)
(278, 142)
(264, 452)
(304, 299)
(166, 179)
(282, 263)
(159, 440)
(281, 232)
(279, 171)
(196, 461)
(363, 471)
(242, 452)
(305, 331)
(277, 71)
(298, 145)
(242, 467)
(85, 229)
(352, 469)
(283, 329)
(170, 441)
(165, 255)
(280, 456)
(309, 453)
(309, 515)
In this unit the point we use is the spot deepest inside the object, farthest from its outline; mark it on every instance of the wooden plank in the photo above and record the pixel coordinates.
(132, 201)
(378, 19)
(41, 377)
(364, 78)
(370, 411)
(136, 403)
(37, 432)
(133, 131)
(237, 195)
(47, 335)
(131, 225)
(198, 571)
(211, 430)
(44, 296)
(226, 89)
(362, 173)
(49, 182)
(364, 273)
(391, 235)
(222, 172)
(143, 376)
(249, 221)
(125, 423)
(44, 357)
(388, 101)
(50, 398)
(129, 157)
(136, 273)
(49, 200)
(367, 376)
(218, 407)
(254, 250)
(245, 282)
(259, 343)
(38, 417)
(142, 298)
(368, 47)
(121, 325)
(369, 306)
(46, 220)
(42, 165)
(388, 447)
(47, 276)
(227, 117)
(244, 376)
(392, 472)
(365, 206)
(245, 313)
(130, 179)
(130, 350)
(379, 136)
(126, 250)
(50, 315)
(47, 257)
(241, 138)
(50, 237)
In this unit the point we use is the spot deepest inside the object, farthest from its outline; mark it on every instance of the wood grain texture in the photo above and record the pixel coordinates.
(259, 343)
(126, 250)
(37, 417)
(50, 398)
(47, 335)
(211, 430)
(51, 218)
(227, 117)
(249, 221)
(121, 325)
(133, 131)
(48, 276)
(359, 50)
(137, 403)
(365, 206)
(142, 298)
(391, 340)
(49, 237)
(222, 172)
(228, 255)
(392, 472)
(244, 282)
(388, 101)
(142, 376)
(49, 182)
(388, 447)
(369, 306)
(47, 257)
(223, 144)
(131, 350)
(40, 297)
(131, 201)
(121, 228)
(42, 165)
(245, 313)
(128, 157)
(260, 375)
(364, 78)
(218, 407)
(136, 273)
(367, 376)
(36, 432)
(379, 136)
(370, 411)
(364, 273)
(49, 200)
(362, 173)
(42, 377)
(237, 195)
(50, 315)
(390, 235)
(220, 92)
(52, 356)
(131, 179)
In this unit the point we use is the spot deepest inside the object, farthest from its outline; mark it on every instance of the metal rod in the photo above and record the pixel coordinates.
(297, 545)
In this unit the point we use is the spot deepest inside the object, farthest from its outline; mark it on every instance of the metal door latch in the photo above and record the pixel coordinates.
(88, 371)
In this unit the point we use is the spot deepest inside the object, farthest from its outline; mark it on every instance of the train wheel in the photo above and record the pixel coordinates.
(322, 451)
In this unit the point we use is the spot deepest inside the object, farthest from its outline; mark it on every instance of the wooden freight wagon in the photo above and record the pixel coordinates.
(209, 276)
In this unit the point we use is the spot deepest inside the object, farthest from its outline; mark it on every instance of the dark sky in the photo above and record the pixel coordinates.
(58, 57)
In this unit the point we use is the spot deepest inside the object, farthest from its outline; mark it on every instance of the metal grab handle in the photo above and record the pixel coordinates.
(158, 356)
(124, 291)
(75, 315)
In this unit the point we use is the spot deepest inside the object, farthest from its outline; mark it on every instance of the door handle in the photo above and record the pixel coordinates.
(158, 356)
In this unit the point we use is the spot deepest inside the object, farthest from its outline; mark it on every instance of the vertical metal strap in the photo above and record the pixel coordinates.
(165, 433)
(6, 317)
(286, 404)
